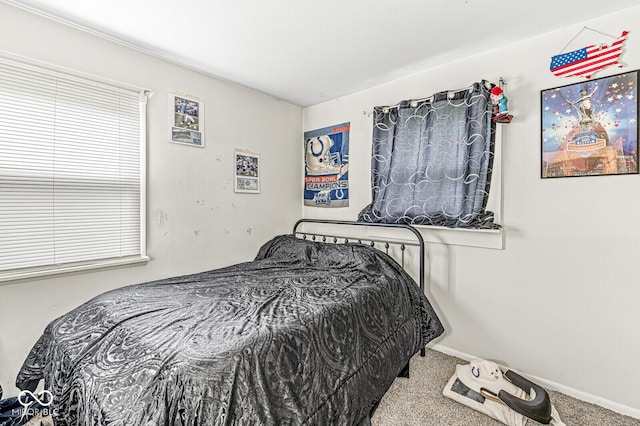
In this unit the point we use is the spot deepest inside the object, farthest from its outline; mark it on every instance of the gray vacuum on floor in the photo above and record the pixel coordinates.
(507, 397)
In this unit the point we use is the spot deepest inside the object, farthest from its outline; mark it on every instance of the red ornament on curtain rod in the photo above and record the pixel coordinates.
(587, 61)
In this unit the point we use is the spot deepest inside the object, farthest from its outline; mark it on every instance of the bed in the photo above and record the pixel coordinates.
(313, 331)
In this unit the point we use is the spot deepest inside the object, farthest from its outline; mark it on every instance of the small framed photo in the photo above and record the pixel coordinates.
(247, 171)
(591, 128)
(186, 120)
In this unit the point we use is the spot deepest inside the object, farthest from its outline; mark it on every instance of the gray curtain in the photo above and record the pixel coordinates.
(431, 161)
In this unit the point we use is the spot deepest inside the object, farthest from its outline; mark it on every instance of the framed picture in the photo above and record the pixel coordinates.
(326, 166)
(247, 173)
(591, 128)
(186, 120)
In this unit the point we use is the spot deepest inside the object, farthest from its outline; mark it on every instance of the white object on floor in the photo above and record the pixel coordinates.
(477, 386)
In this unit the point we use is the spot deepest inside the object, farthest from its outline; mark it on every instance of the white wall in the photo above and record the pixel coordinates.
(560, 301)
(195, 220)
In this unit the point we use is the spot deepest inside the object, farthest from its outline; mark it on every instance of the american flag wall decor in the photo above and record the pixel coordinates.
(588, 60)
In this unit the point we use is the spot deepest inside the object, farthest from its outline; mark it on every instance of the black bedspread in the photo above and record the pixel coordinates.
(308, 333)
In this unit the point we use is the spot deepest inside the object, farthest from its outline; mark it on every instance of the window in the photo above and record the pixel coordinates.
(71, 172)
(432, 161)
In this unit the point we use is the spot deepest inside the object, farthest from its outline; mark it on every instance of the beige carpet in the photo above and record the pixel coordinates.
(418, 401)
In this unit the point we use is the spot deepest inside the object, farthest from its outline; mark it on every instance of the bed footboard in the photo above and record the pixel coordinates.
(312, 229)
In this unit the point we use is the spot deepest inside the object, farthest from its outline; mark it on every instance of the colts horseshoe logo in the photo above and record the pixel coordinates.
(312, 143)
(475, 371)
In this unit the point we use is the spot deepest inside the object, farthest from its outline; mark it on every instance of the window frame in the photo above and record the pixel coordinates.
(467, 236)
(21, 273)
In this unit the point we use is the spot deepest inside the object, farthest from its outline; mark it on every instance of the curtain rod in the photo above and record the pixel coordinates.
(500, 82)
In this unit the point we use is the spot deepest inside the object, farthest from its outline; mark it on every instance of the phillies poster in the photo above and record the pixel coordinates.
(326, 166)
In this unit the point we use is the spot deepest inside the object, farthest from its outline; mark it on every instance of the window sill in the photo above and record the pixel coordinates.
(481, 238)
(30, 273)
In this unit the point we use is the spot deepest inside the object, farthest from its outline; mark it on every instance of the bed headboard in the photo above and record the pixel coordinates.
(313, 230)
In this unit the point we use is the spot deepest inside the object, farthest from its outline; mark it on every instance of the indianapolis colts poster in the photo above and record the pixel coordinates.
(326, 160)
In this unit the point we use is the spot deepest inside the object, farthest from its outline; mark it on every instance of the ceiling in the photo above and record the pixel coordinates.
(310, 51)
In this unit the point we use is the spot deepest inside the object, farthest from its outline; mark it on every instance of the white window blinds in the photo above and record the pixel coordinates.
(70, 170)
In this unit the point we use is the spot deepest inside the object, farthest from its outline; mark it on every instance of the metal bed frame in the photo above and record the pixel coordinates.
(402, 243)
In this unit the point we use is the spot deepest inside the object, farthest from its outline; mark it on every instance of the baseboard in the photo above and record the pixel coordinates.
(558, 387)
